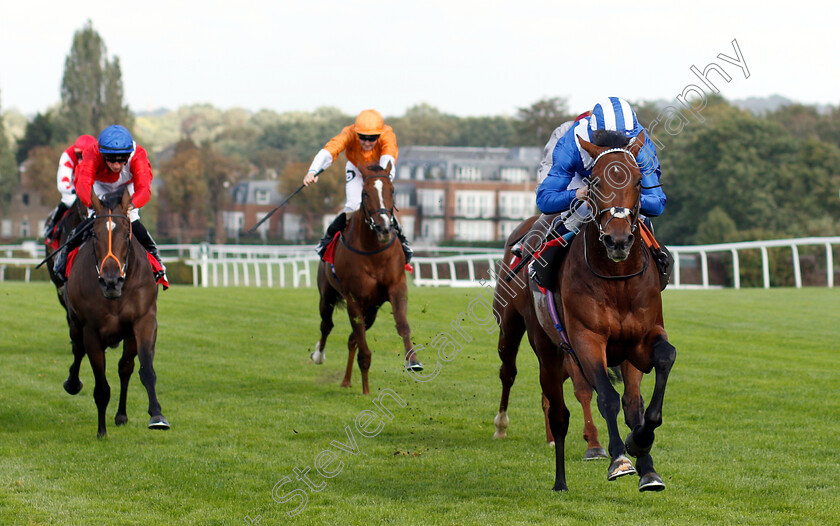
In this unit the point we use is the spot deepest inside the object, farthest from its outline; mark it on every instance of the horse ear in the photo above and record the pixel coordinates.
(389, 167)
(94, 200)
(637, 144)
(590, 148)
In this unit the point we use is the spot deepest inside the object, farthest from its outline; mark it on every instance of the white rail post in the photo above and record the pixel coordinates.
(704, 268)
(797, 274)
(736, 269)
(765, 267)
(829, 264)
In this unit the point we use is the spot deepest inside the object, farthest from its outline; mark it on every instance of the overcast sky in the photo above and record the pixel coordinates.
(463, 57)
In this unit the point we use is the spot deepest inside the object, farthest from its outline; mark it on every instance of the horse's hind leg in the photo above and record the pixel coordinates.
(351, 357)
(511, 329)
(640, 441)
(552, 376)
(145, 334)
(126, 368)
(583, 393)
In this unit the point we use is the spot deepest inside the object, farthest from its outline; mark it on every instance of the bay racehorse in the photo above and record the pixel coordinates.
(610, 305)
(512, 303)
(368, 270)
(111, 297)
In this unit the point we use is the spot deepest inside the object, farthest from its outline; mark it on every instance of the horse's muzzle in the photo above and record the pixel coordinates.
(111, 288)
(618, 247)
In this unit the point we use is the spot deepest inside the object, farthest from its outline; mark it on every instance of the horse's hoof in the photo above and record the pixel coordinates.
(551, 443)
(159, 422)
(595, 453)
(413, 365)
(560, 486)
(73, 388)
(120, 419)
(620, 466)
(346, 385)
(651, 482)
(318, 356)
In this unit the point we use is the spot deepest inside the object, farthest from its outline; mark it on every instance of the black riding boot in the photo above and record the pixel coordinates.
(406, 249)
(56, 216)
(145, 239)
(74, 240)
(335, 227)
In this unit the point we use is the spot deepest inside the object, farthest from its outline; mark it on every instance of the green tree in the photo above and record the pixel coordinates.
(425, 125)
(8, 168)
(316, 200)
(40, 131)
(41, 166)
(537, 121)
(184, 190)
(91, 90)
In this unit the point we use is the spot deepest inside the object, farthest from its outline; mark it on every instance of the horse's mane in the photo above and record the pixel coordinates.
(112, 200)
(610, 139)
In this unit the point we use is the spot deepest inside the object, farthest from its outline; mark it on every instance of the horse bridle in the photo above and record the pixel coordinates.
(616, 212)
(387, 211)
(110, 254)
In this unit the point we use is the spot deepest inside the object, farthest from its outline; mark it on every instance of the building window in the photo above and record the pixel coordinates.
(404, 172)
(467, 173)
(25, 199)
(402, 200)
(514, 175)
(262, 197)
(6, 228)
(475, 203)
(431, 201)
(24, 227)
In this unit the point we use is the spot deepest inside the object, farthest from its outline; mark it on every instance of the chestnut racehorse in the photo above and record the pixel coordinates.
(111, 296)
(610, 305)
(369, 269)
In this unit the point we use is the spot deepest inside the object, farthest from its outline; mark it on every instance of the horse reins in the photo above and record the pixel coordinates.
(110, 255)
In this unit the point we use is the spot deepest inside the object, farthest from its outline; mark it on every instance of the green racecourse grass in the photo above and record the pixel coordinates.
(750, 433)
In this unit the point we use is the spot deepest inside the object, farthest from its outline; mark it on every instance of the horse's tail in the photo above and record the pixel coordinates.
(615, 375)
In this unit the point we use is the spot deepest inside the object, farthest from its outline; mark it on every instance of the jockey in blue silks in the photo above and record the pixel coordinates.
(568, 164)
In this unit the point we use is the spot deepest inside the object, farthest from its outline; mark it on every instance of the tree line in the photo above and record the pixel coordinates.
(735, 176)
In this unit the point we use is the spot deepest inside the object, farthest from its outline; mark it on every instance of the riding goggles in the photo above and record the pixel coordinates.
(368, 138)
(115, 157)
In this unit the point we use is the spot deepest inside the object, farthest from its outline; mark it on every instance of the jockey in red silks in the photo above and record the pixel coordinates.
(113, 162)
(68, 163)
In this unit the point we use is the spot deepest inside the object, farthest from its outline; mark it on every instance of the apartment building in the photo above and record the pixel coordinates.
(463, 193)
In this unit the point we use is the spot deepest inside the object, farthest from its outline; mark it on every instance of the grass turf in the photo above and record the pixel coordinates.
(749, 434)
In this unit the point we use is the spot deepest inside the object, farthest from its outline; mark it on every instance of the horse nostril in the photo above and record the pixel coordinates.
(630, 240)
(609, 241)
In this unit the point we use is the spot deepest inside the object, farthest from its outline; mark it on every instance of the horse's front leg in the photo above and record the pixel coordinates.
(126, 368)
(358, 322)
(73, 384)
(640, 440)
(399, 305)
(591, 352)
(145, 334)
(101, 390)
(329, 298)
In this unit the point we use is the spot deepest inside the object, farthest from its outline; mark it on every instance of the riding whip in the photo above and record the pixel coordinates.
(261, 221)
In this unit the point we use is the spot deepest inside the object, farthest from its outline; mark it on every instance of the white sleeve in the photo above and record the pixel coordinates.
(383, 162)
(64, 180)
(321, 162)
